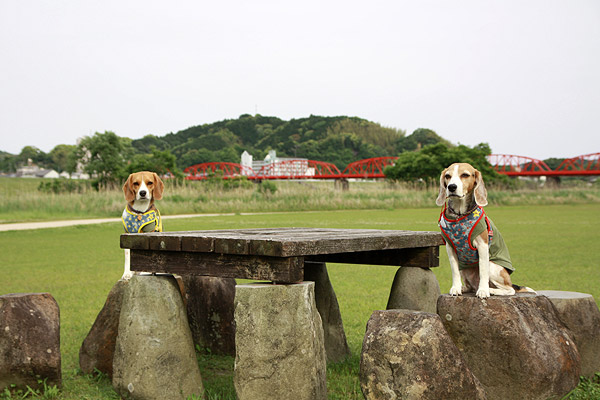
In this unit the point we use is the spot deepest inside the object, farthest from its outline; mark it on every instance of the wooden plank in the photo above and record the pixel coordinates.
(288, 270)
(425, 257)
(283, 242)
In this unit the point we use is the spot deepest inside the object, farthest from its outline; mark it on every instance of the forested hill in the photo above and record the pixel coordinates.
(339, 140)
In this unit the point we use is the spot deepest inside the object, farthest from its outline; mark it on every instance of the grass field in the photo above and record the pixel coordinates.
(552, 247)
(21, 201)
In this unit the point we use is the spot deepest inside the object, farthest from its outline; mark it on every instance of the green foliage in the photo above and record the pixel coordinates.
(63, 158)
(266, 187)
(428, 163)
(588, 389)
(162, 162)
(44, 391)
(104, 157)
(418, 139)
(8, 162)
(63, 185)
(339, 140)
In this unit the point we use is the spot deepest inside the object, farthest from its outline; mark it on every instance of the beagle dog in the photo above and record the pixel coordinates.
(475, 247)
(140, 214)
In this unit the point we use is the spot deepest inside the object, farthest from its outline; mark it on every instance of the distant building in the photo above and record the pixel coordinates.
(47, 174)
(276, 166)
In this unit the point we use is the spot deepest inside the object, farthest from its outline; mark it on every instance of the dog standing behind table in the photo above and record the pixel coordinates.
(140, 214)
(475, 247)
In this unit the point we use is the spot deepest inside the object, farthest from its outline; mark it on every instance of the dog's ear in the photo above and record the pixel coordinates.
(441, 199)
(480, 191)
(128, 189)
(159, 186)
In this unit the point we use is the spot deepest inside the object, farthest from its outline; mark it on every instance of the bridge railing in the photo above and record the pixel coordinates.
(372, 168)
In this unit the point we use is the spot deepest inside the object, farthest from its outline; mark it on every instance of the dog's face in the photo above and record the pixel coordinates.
(143, 185)
(459, 181)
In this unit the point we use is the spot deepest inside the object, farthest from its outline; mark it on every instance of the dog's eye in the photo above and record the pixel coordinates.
(447, 176)
(465, 175)
(136, 184)
(150, 183)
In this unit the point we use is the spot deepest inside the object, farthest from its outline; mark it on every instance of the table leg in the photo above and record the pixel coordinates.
(336, 346)
(414, 289)
(279, 343)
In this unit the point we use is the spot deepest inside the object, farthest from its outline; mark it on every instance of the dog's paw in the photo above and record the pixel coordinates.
(483, 293)
(127, 276)
(455, 291)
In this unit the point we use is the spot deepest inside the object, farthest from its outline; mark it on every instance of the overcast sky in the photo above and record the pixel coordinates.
(521, 75)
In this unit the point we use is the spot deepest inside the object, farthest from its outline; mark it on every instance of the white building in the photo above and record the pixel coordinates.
(276, 166)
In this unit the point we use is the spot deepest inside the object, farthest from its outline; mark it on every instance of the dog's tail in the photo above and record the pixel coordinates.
(523, 289)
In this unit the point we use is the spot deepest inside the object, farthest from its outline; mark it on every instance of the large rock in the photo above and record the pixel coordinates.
(414, 289)
(336, 345)
(29, 341)
(210, 302)
(154, 353)
(579, 312)
(409, 355)
(98, 348)
(279, 343)
(515, 345)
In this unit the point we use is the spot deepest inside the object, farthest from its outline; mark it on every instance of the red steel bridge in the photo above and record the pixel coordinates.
(370, 168)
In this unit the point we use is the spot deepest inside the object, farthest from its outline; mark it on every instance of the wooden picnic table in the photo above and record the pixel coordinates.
(277, 254)
(282, 255)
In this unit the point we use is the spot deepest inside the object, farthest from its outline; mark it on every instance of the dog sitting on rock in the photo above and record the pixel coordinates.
(475, 247)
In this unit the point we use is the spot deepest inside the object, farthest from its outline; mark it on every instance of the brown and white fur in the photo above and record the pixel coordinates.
(462, 189)
(140, 190)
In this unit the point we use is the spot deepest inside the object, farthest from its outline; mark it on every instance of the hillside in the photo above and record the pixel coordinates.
(339, 140)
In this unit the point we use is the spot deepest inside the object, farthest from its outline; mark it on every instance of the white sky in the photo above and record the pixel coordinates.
(523, 76)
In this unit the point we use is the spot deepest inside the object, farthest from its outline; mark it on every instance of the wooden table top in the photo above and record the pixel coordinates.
(281, 242)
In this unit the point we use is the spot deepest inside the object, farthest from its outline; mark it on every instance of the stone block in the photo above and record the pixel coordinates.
(408, 355)
(98, 348)
(280, 352)
(29, 341)
(336, 345)
(210, 302)
(515, 345)
(414, 289)
(154, 352)
(579, 312)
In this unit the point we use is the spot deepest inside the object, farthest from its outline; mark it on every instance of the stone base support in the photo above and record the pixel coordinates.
(280, 351)
(336, 345)
(154, 354)
(579, 312)
(408, 355)
(414, 289)
(515, 345)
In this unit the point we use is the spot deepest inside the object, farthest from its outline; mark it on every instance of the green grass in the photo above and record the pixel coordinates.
(21, 201)
(552, 247)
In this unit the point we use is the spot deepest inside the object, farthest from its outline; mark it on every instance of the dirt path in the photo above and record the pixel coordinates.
(59, 224)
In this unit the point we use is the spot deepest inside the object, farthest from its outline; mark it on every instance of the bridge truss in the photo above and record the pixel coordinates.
(373, 168)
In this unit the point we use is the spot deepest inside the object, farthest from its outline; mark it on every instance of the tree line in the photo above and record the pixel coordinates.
(339, 140)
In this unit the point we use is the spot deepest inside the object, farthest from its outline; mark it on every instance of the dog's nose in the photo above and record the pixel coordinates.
(143, 193)
(452, 187)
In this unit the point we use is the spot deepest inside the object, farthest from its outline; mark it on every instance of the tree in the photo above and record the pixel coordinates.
(8, 162)
(418, 139)
(428, 163)
(32, 153)
(161, 162)
(62, 156)
(104, 156)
